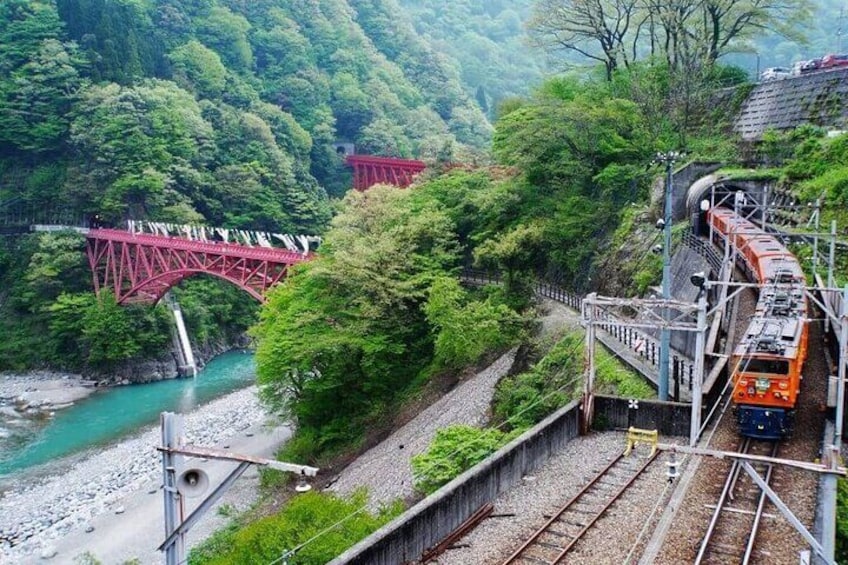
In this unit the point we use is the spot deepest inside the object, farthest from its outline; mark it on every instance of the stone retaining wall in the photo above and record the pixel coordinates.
(819, 98)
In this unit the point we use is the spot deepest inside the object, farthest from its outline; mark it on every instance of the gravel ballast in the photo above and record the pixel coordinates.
(386, 469)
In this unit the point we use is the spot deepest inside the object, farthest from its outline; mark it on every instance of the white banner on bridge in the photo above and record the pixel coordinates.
(297, 243)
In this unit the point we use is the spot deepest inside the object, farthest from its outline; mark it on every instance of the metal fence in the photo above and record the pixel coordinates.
(645, 347)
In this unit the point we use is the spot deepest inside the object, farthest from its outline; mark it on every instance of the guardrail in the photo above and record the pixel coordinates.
(642, 346)
(703, 249)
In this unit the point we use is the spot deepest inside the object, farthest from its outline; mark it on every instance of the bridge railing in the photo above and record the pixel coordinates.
(19, 213)
(641, 345)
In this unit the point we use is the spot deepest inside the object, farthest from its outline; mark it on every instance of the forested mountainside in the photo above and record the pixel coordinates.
(220, 112)
(215, 110)
(487, 39)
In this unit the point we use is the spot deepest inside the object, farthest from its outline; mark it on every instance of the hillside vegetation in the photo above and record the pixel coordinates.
(213, 112)
(224, 112)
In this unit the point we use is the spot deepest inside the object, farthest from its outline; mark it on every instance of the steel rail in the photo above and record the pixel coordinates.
(727, 493)
(749, 549)
(538, 533)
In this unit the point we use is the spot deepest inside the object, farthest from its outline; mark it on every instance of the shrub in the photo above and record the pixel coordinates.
(454, 450)
(300, 521)
(524, 400)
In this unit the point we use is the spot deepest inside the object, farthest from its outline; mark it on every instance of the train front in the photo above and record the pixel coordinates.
(767, 376)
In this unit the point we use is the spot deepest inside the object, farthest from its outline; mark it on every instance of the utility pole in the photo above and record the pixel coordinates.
(668, 158)
(180, 482)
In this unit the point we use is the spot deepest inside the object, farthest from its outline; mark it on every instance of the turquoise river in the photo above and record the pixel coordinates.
(112, 413)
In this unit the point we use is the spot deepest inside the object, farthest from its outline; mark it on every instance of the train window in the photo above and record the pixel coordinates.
(769, 366)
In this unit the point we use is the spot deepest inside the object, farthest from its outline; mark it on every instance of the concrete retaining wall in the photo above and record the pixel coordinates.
(819, 98)
(682, 180)
(431, 520)
(670, 418)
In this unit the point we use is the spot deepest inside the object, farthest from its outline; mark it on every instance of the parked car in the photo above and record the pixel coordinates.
(774, 73)
(811, 65)
(831, 61)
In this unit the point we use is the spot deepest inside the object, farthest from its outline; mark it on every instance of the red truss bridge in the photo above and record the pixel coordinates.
(368, 171)
(140, 267)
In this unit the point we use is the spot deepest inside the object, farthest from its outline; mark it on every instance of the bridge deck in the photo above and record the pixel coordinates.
(216, 248)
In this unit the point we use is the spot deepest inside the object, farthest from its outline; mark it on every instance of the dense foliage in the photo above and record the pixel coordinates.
(305, 516)
(51, 318)
(49, 315)
(487, 40)
(215, 111)
(349, 332)
(525, 399)
(454, 450)
(212, 112)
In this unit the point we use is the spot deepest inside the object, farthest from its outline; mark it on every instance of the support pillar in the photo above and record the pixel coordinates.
(589, 383)
(843, 360)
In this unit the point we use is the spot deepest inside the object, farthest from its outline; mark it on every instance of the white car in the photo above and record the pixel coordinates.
(775, 73)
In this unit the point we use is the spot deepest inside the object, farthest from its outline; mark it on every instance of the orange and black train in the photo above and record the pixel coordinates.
(767, 363)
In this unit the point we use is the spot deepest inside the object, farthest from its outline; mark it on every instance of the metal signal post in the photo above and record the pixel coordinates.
(665, 334)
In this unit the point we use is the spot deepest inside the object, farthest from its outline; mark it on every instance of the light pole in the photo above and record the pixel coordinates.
(668, 158)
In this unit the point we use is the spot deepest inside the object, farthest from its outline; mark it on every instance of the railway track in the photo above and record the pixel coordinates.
(732, 531)
(552, 542)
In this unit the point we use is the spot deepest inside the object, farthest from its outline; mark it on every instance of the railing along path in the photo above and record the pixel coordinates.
(642, 345)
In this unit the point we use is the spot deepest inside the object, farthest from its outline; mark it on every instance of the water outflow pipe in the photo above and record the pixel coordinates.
(182, 343)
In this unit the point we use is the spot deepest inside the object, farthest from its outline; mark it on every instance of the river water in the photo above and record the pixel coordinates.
(112, 413)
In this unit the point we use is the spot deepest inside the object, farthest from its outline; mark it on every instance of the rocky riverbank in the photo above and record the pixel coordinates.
(37, 516)
(37, 395)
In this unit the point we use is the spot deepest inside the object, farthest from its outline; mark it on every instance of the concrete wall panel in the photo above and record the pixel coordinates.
(431, 520)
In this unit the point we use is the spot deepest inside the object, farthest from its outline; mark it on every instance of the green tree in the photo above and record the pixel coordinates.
(114, 334)
(135, 140)
(56, 264)
(346, 333)
(516, 253)
(226, 32)
(40, 77)
(199, 68)
(465, 329)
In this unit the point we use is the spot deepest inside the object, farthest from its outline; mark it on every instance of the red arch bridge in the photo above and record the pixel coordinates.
(369, 170)
(143, 267)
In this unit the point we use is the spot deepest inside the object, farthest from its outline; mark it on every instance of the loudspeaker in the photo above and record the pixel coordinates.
(192, 482)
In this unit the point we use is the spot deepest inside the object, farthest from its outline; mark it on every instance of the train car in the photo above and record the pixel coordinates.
(767, 364)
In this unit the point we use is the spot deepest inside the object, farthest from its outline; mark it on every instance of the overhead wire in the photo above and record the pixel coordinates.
(535, 403)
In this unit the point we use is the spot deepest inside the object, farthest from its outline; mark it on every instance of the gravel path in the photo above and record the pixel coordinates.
(386, 469)
(35, 513)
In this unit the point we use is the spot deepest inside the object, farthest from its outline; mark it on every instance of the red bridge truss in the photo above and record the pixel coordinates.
(368, 171)
(142, 267)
